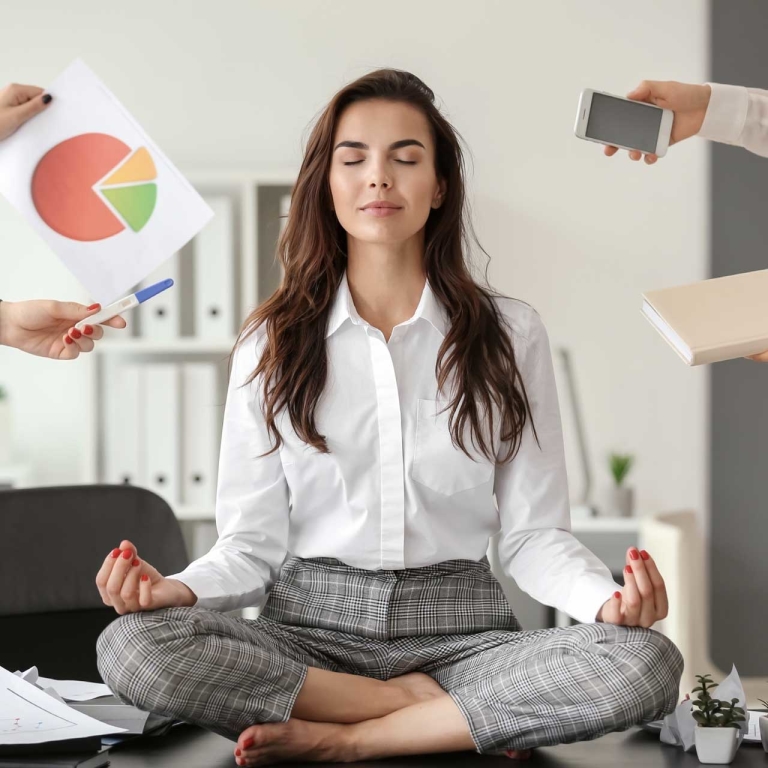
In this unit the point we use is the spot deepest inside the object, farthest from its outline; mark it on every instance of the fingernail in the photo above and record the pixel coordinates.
(628, 569)
(68, 340)
(237, 752)
(88, 330)
(94, 306)
(127, 554)
(145, 577)
(115, 552)
(644, 555)
(634, 554)
(76, 334)
(136, 562)
(47, 98)
(248, 743)
(617, 594)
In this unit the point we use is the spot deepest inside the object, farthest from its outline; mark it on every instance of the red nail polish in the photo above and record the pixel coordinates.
(145, 577)
(237, 752)
(634, 554)
(115, 552)
(644, 555)
(628, 569)
(617, 594)
(68, 340)
(136, 562)
(76, 334)
(88, 330)
(127, 554)
(94, 306)
(248, 743)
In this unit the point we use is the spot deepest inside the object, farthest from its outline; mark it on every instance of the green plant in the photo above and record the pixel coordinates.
(715, 713)
(3, 392)
(620, 466)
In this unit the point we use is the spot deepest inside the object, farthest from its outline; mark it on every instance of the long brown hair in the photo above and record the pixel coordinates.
(479, 355)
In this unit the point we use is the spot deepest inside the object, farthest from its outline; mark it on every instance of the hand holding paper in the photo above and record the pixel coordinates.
(19, 103)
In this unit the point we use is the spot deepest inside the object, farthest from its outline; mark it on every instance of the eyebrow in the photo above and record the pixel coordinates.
(395, 145)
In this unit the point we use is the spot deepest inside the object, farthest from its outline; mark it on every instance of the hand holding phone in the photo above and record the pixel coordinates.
(687, 102)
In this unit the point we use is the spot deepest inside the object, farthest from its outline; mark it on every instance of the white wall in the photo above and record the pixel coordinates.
(236, 84)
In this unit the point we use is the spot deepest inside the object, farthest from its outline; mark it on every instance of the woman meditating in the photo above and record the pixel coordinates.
(386, 415)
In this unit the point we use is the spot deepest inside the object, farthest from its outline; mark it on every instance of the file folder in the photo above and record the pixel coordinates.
(214, 273)
(123, 425)
(161, 430)
(202, 415)
(161, 317)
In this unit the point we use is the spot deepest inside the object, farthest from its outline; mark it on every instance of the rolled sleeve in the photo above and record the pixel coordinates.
(252, 501)
(536, 546)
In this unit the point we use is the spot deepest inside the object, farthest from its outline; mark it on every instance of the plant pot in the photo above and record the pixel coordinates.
(5, 431)
(621, 501)
(716, 746)
(764, 731)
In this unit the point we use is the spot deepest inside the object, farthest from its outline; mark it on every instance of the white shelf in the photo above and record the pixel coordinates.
(180, 345)
(189, 512)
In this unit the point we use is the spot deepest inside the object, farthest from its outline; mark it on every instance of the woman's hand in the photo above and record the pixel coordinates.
(688, 102)
(19, 103)
(46, 328)
(131, 584)
(643, 599)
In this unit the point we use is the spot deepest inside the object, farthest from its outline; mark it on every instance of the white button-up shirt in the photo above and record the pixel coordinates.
(394, 492)
(737, 115)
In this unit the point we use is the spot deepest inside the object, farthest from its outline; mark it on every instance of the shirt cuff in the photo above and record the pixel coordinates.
(588, 595)
(210, 596)
(726, 113)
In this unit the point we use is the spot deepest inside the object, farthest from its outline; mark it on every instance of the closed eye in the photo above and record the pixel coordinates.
(404, 162)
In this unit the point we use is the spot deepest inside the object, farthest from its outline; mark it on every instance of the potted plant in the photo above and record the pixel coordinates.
(764, 725)
(621, 499)
(717, 725)
(5, 427)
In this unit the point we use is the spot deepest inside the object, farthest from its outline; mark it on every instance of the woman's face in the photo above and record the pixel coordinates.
(392, 158)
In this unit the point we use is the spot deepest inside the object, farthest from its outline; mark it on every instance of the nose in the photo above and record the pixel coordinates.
(380, 176)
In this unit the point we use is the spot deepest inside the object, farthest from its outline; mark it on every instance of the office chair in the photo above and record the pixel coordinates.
(53, 541)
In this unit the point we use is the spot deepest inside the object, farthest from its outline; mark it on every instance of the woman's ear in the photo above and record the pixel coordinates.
(437, 201)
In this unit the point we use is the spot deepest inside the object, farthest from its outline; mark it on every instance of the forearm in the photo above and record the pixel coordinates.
(5, 321)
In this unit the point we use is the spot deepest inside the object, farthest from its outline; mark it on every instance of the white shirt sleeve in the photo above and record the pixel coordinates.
(536, 547)
(252, 502)
(737, 115)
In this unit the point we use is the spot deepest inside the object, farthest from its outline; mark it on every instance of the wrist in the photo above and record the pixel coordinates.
(187, 597)
(5, 323)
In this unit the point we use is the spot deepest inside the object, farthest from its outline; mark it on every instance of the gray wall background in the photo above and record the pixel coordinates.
(739, 393)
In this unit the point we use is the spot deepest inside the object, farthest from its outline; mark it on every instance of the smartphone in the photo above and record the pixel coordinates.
(609, 119)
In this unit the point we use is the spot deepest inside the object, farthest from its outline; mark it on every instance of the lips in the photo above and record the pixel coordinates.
(380, 205)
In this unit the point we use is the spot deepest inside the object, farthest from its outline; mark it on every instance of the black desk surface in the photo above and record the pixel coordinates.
(193, 747)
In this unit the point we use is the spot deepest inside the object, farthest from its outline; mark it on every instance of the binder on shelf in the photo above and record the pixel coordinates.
(123, 425)
(161, 430)
(214, 271)
(161, 317)
(201, 432)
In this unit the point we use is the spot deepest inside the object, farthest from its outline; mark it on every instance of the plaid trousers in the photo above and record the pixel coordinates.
(516, 689)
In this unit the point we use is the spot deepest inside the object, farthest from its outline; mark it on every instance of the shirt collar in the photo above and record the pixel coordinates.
(429, 309)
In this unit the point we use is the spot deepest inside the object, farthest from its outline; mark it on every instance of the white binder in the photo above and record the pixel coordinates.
(201, 425)
(161, 315)
(123, 425)
(214, 270)
(161, 430)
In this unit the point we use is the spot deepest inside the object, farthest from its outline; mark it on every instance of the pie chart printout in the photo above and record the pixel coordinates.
(80, 183)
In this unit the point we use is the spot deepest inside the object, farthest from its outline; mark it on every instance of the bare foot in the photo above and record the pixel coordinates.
(419, 686)
(303, 740)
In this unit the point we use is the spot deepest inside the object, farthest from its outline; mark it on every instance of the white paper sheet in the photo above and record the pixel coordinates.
(73, 190)
(30, 716)
(66, 690)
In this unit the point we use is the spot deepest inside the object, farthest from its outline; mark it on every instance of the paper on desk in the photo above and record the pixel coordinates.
(66, 690)
(679, 727)
(96, 188)
(31, 716)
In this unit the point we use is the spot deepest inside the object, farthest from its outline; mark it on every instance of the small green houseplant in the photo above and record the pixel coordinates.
(717, 724)
(621, 498)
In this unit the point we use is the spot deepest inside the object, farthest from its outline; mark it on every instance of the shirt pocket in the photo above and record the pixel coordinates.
(437, 463)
